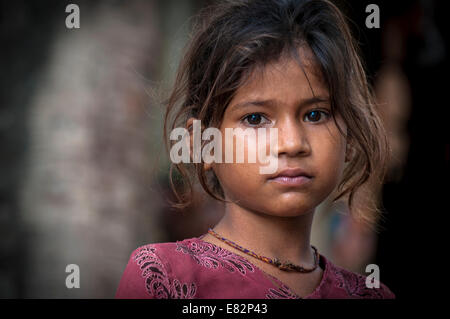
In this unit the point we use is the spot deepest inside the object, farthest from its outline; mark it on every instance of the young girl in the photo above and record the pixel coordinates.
(290, 65)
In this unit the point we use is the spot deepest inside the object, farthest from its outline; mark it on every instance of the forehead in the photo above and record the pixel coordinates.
(289, 79)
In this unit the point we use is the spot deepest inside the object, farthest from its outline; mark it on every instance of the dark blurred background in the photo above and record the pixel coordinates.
(83, 170)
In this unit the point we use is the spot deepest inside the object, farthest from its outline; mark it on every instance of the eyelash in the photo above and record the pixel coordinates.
(326, 114)
(252, 125)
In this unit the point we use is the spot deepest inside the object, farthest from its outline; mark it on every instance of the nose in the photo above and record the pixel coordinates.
(292, 139)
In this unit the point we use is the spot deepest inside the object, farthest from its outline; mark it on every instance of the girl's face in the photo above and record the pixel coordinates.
(308, 139)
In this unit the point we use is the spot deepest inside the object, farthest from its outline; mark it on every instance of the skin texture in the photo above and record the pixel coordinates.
(268, 218)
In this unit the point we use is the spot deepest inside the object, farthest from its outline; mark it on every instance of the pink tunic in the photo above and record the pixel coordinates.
(193, 268)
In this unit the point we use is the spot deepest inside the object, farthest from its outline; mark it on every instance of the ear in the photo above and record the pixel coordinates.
(189, 127)
(190, 123)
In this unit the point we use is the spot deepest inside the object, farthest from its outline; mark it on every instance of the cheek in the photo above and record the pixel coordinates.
(330, 150)
(237, 180)
(248, 146)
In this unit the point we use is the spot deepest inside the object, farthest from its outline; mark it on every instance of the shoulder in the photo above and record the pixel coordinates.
(348, 284)
(154, 251)
(149, 273)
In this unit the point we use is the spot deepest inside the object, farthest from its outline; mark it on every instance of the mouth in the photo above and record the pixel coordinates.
(291, 177)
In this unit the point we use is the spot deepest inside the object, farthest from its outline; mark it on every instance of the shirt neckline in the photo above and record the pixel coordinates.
(322, 261)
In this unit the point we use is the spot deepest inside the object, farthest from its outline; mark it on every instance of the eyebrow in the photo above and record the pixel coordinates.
(303, 103)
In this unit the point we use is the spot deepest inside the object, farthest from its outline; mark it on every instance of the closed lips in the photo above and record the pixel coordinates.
(291, 172)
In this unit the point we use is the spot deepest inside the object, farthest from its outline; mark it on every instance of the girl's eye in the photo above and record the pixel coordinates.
(254, 119)
(316, 116)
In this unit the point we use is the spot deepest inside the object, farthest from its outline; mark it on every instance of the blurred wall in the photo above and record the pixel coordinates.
(87, 188)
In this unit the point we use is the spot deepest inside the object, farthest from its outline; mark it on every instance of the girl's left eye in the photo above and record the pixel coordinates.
(316, 116)
(255, 119)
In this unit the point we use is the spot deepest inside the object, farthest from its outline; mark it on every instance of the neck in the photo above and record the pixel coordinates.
(285, 238)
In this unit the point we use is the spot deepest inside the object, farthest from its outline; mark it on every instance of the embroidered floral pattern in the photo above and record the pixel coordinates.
(355, 285)
(157, 282)
(212, 256)
(219, 272)
(281, 293)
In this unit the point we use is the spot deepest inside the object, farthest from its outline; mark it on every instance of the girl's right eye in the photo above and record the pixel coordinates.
(254, 119)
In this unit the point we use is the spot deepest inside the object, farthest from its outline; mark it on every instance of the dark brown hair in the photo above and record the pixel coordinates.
(232, 38)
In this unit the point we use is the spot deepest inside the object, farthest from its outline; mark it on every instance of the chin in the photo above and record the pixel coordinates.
(292, 209)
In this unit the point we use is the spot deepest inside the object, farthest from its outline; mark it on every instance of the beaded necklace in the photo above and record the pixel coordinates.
(286, 266)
